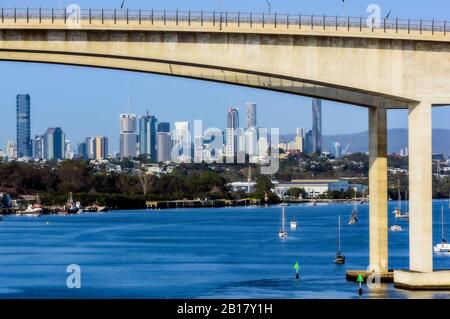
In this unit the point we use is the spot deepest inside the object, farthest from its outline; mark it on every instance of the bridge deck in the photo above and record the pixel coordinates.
(223, 22)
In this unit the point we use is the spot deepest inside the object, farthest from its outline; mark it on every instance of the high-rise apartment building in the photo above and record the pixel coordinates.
(147, 136)
(128, 135)
(164, 145)
(309, 142)
(37, 147)
(23, 125)
(100, 147)
(299, 140)
(82, 150)
(317, 126)
(11, 150)
(232, 126)
(251, 115)
(54, 144)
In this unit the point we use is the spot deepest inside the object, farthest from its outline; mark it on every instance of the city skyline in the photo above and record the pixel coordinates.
(156, 121)
(104, 93)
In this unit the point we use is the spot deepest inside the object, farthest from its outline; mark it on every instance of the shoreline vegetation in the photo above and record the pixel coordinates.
(218, 203)
(127, 184)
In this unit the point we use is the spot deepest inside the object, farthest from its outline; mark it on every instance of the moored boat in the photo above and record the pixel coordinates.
(283, 233)
(339, 258)
(31, 211)
(354, 216)
(443, 246)
(396, 228)
(293, 224)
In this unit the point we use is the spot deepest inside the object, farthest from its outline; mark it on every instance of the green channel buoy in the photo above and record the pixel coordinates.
(360, 280)
(297, 268)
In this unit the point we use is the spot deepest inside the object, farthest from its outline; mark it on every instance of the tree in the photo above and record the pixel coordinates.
(263, 184)
(144, 180)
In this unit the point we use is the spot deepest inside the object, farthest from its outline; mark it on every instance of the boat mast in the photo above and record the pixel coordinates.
(339, 233)
(399, 197)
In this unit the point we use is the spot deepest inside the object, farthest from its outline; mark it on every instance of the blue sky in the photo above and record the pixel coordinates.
(87, 101)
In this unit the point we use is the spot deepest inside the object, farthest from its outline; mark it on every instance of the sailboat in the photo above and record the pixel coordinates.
(339, 258)
(398, 210)
(282, 233)
(443, 246)
(354, 216)
(396, 227)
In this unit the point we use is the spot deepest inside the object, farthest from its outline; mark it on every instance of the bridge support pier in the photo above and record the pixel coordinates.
(378, 203)
(378, 208)
(420, 189)
(421, 275)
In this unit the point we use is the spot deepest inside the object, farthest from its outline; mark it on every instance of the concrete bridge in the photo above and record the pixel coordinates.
(401, 64)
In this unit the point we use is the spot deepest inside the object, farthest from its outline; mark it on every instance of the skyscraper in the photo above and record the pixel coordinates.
(82, 150)
(182, 141)
(317, 126)
(23, 125)
(90, 148)
(164, 144)
(127, 135)
(100, 147)
(147, 136)
(232, 125)
(37, 147)
(164, 127)
(300, 140)
(11, 150)
(337, 150)
(54, 144)
(251, 114)
(68, 153)
(309, 142)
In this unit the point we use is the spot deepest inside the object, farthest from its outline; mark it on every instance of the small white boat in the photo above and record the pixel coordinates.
(443, 246)
(396, 228)
(284, 204)
(293, 224)
(31, 211)
(282, 233)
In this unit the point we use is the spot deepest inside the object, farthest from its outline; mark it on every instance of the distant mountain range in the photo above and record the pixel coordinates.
(397, 140)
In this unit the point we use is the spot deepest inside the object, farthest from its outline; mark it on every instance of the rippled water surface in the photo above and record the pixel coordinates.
(197, 253)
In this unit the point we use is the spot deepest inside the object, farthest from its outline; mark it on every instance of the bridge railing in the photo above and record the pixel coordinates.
(220, 19)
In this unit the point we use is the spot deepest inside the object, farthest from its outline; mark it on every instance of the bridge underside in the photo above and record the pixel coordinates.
(246, 78)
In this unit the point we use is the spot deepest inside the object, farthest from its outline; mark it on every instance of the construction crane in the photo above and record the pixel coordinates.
(344, 152)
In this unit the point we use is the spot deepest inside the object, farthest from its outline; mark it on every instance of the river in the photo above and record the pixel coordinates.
(198, 253)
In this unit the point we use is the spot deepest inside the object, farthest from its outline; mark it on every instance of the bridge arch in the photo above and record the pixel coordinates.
(398, 66)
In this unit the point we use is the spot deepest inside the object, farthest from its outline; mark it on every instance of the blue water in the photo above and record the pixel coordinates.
(197, 253)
